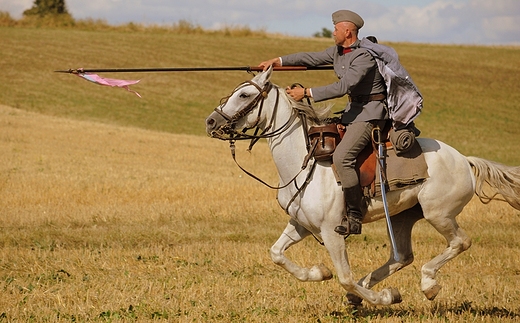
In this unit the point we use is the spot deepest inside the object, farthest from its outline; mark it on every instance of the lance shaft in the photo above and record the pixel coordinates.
(193, 69)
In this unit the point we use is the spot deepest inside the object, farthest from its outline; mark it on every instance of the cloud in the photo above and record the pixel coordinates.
(15, 7)
(427, 21)
(443, 21)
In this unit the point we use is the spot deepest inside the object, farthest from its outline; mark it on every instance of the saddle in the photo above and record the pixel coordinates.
(401, 168)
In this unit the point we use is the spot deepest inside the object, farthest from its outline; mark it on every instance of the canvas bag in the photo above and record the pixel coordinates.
(405, 102)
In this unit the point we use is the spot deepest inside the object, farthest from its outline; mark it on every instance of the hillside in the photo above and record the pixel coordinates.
(471, 92)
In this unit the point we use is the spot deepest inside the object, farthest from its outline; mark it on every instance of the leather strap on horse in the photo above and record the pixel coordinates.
(254, 138)
(233, 154)
(303, 118)
(304, 166)
(307, 179)
(228, 128)
(259, 99)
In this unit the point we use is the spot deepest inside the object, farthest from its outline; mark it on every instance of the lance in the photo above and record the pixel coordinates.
(89, 73)
(193, 69)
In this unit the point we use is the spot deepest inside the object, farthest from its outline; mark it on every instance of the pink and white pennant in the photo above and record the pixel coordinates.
(94, 78)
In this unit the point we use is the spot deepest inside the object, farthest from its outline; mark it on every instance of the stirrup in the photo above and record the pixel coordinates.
(348, 229)
(342, 230)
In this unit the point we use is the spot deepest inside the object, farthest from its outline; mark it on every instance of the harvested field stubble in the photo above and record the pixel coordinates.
(111, 223)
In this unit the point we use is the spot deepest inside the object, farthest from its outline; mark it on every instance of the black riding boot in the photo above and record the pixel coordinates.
(354, 201)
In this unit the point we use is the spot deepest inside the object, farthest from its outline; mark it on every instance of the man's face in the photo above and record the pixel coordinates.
(340, 33)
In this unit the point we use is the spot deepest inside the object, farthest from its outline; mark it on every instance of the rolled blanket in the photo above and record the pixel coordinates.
(402, 140)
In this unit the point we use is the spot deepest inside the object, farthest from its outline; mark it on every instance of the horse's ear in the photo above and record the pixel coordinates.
(264, 77)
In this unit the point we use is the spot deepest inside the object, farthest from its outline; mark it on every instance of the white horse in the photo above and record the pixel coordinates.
(319, 207)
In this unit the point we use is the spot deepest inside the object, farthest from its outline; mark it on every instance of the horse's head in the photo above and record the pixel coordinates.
(240, 110)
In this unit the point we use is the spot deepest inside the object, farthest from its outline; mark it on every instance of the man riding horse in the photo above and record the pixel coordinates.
(359, 78)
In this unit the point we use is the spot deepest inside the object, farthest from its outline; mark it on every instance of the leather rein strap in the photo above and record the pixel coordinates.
(229, 129)
(231, 120)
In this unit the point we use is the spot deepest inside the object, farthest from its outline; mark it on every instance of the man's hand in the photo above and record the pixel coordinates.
(296, 93)
(273, 62)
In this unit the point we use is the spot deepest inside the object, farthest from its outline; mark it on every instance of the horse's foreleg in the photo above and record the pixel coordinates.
(402, 225)
(335, 244)
(293, 234)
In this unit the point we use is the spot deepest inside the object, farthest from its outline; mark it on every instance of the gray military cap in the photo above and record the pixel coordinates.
(347, 15)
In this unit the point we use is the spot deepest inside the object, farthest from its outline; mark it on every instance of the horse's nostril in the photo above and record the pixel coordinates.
(210, 122)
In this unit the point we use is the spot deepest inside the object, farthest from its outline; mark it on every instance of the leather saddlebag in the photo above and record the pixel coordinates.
(327, 137)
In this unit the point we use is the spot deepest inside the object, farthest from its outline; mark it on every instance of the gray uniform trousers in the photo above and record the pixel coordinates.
(356, 138)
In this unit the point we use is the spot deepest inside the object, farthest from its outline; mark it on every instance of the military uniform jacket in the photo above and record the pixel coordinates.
(358, 75)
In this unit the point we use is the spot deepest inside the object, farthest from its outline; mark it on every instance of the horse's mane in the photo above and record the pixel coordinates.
(315, 116)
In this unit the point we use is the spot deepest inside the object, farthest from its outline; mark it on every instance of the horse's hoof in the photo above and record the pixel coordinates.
(432, 292)
(396, 296)
(319, 273)
(354, 300)
(327, 274)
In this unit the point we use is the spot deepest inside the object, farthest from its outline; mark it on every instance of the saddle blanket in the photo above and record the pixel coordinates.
(406, 169)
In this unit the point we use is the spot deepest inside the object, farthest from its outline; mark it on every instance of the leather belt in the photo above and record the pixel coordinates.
(368, 98)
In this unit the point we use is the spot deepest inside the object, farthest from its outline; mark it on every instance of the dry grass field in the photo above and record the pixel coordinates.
(118, 209)
(108, 223)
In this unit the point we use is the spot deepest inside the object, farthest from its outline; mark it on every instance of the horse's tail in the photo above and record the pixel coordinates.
(494, 179)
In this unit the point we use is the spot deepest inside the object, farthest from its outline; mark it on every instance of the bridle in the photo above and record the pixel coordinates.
(229, 127)
(228, 132)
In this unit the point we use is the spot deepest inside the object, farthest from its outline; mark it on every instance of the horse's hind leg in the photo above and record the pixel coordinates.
(293, 234)
(458, 242)
(402, 225)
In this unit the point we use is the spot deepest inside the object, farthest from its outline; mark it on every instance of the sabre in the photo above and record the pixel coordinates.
(380, 158)
(193, 69)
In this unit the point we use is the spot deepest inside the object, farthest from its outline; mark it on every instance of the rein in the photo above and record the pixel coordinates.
(232, 135)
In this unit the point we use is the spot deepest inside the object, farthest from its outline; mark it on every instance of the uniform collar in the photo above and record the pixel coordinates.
(344, 50)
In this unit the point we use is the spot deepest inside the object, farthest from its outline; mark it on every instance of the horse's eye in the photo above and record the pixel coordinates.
(244, 95)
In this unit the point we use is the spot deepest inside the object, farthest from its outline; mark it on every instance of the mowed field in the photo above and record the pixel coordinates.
(116, 208)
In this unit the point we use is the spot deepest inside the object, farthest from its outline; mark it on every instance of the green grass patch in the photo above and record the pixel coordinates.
(471, 96)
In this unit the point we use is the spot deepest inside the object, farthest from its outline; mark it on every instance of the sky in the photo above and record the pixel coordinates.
(471, 22)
